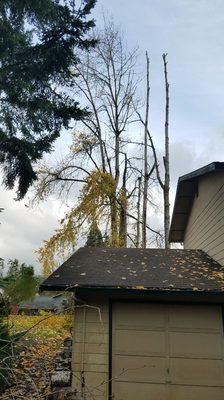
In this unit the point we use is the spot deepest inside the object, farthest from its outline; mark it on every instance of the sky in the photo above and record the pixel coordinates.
(191, 32)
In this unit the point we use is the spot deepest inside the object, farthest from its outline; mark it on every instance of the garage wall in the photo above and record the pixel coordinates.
(205, 228)
(167, 352)
(158, 349)
(91, 350)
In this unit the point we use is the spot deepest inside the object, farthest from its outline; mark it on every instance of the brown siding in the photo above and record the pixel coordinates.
(205, 228)
(90, 350)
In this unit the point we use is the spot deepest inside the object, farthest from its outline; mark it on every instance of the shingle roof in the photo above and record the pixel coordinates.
(186, 189)
(153, 269)
(43, 302)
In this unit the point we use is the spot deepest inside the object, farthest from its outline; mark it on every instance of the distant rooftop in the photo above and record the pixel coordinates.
(131, 268)
(40, 302)
(186, 189)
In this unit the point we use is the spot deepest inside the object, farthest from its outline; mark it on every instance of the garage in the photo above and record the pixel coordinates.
(167, 352)
(147, 323)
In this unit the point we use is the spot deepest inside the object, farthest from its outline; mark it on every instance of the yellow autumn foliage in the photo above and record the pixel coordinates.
(41, 327)
(93, 204)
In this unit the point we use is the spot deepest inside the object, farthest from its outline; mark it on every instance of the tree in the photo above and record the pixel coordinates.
(98, 160)
(104, 172)
(40, 42)
(95, 237)
(19, 283)
(166, 160)
(163, 183)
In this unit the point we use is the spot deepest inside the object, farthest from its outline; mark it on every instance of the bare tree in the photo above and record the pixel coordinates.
(166, 159)
(113, 71)
(97, 169)
(100, 174)
(163, 183)
(145, 158)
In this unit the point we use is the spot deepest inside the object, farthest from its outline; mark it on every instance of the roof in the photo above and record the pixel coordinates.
(131, 268)
(187, 187)
(43, 302)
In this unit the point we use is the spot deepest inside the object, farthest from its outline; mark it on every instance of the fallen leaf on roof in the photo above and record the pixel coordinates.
(218, 274)
(140, 287)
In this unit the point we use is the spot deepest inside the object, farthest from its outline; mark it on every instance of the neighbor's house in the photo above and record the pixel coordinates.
(38, 303)
(148, 323)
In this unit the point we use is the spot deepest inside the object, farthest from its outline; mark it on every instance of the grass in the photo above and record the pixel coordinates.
(41, 327)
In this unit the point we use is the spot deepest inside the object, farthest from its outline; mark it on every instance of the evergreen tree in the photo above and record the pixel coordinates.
(94, 238)
(40, 41)
(20, 282)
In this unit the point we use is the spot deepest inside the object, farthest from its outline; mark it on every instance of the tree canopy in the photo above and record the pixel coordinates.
(40, 42)
(19, 282)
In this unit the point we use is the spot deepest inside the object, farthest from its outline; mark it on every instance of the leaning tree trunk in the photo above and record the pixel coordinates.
(166, 160)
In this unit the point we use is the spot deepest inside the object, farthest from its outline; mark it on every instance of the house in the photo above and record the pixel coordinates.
(198, 216)
(148, 323)
(36, 304)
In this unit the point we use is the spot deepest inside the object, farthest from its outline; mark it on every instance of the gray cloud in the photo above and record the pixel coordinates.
(23, 230)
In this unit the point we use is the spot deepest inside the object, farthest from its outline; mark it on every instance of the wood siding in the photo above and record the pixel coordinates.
(158, 350)
(205, 228)
(91, 350)
(163, 351)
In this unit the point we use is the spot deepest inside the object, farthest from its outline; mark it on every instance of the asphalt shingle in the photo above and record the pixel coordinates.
(153, 269)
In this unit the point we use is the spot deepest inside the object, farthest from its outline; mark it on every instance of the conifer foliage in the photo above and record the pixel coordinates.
(95, 237)
(40, 41)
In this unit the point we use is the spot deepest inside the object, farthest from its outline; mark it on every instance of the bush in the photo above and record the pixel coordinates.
(5, 345)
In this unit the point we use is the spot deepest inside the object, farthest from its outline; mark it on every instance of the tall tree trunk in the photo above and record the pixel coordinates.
(123, 208)
(145, 176)
(114, 208)
(166, 160)
(114, 222)
(138, 212)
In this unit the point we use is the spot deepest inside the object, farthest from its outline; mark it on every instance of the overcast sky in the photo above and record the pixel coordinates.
(191, 32)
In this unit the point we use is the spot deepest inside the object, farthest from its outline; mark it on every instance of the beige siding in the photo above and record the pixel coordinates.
(163, 352)
(158, 351)
(205, 229)
(90, 350)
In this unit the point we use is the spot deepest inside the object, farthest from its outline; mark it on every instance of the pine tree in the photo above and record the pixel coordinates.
(94, 238)
(40, 41)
